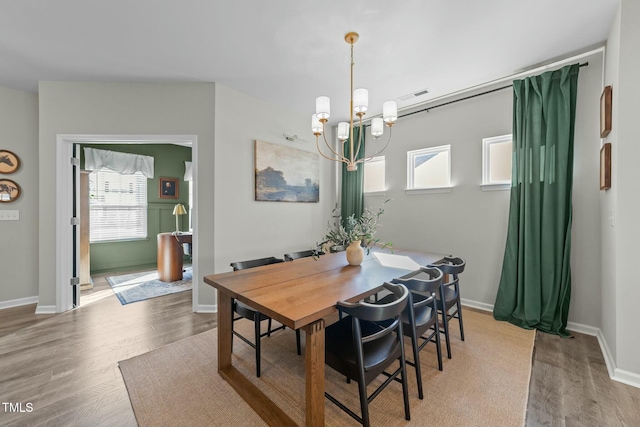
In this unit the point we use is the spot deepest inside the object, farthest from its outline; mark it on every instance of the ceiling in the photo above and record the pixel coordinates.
(290, 52)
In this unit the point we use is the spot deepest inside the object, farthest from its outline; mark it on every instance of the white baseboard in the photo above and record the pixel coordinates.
(606, 353)
(46, 309)
(18, 302)
(477, 305)
(583, 329)
(207, 308)
(615, 373)
(626, 377)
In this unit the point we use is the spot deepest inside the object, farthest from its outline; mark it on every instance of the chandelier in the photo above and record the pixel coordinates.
(358, 104)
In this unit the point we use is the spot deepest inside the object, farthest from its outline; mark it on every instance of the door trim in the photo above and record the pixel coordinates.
(64, 202)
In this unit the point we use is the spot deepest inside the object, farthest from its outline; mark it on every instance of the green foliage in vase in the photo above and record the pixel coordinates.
(361, 229)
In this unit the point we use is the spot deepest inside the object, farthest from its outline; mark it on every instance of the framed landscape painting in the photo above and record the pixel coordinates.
(285, 174)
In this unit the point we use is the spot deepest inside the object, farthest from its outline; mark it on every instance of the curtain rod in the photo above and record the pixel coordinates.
(466, 97)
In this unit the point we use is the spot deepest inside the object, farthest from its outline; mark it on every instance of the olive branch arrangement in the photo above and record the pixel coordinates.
(361, 229)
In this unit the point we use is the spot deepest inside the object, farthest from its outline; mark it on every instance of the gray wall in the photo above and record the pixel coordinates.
(472, 223)
(621, 203)
(245, 228)
(19, 239)
(628, 200)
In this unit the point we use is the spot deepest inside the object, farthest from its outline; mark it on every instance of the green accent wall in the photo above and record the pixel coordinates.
(168, 163)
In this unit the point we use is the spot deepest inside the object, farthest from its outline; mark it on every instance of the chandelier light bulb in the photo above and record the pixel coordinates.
(323, 109)
(343, 131)
(377, 127)
(390, 112)
(360, 100)
(316, 126)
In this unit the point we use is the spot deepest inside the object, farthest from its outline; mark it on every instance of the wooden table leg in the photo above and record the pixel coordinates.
(314, 369)
(224, 331)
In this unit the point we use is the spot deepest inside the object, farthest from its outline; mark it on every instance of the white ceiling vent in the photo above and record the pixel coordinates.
(414, 95)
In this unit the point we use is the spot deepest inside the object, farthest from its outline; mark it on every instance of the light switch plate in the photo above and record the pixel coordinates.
(9, 215)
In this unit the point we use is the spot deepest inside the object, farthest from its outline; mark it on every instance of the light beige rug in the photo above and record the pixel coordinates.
(484, 384)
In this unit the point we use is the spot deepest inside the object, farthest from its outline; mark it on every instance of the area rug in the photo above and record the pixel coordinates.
(484, 384)
(144, 285)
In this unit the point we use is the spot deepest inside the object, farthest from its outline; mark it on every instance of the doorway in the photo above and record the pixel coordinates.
(67, 182)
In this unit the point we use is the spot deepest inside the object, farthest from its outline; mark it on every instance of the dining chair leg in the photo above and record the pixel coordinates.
(256, 323)
(460, 320)
(269, 330)
(445, 323)
(416, 361)
(364, 402)
(403, 373)
(298, 342)
(405, 387)
(232, 316)
(438, 349)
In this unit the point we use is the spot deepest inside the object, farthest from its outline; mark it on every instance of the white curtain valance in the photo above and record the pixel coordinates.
(188, 173)
(124, 163)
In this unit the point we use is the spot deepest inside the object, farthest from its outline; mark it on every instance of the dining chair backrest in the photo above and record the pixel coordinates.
(427, 281)
(242, 265)
(378, 312)
(302, 254)
(451, 265)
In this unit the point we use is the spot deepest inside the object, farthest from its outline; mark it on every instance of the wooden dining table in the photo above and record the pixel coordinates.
(300, 294)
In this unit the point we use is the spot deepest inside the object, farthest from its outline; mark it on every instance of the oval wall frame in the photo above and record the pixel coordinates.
(9, 162)
(9, 191)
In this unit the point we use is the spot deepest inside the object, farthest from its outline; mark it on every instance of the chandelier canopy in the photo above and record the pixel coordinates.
(358, 104)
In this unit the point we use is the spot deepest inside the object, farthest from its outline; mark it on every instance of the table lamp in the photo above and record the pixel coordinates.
(177, 211)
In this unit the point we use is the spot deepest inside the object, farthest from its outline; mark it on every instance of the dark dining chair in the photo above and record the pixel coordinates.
(420, 317)
(302, 254)
(246, 312)
(364, 343)
(448, 297)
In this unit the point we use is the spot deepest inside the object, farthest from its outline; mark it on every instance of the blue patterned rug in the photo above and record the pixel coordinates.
(136, 287)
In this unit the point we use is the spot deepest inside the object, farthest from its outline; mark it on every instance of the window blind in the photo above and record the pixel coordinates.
(117, 206)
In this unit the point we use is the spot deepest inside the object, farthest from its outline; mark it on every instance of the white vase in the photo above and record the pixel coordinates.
(355, 253)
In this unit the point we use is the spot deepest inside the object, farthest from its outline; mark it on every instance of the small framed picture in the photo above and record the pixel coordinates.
(605, 166)
(9, 191)
(605, 112)
(168, 188)
(9, 162)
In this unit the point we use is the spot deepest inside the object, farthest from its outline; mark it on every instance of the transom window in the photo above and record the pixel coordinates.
(497, 154)
(429, 168)
(374, 179)
(117, 206)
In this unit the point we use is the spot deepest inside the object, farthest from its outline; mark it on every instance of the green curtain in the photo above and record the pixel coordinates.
(535, 286)
(352, 199)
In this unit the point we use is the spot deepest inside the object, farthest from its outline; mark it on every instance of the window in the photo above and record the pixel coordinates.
(496, 161)
(117, 206)
(374, 175)
(429, 168)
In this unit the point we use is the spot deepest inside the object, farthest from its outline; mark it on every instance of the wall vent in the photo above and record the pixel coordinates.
(414, 95)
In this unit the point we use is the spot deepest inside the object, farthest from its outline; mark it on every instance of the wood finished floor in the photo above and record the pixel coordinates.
(66, 365)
